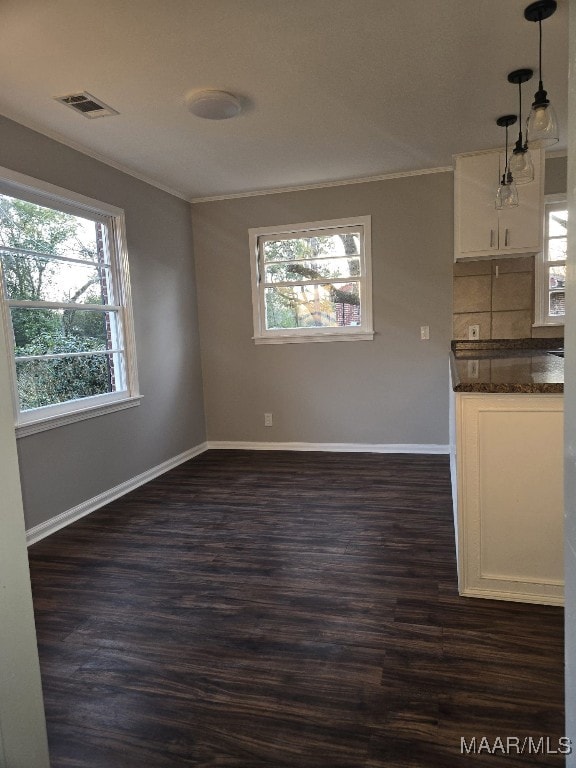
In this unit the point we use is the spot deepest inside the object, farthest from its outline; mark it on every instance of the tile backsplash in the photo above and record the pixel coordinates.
(498, 296)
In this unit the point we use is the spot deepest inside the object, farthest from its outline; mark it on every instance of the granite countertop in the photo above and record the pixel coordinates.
(508, 365)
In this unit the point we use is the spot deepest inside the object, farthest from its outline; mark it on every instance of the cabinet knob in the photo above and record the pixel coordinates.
(491, 238)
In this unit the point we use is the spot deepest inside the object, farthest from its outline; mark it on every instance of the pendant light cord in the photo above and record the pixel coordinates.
(520, 111)
(540, 54)
(506, 171)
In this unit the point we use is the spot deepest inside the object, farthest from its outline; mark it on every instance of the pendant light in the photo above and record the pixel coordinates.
(507, 194)
(521, 166)
(542, 125)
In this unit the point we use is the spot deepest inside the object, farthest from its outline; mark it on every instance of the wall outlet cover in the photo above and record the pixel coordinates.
(473, 332)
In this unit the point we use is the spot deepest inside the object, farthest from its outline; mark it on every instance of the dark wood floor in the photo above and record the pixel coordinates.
(284, 610)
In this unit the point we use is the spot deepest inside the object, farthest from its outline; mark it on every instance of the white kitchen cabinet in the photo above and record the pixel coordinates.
(480, 230)
(507, 469)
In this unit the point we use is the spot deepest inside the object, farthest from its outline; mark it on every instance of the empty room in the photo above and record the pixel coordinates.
(286, 460)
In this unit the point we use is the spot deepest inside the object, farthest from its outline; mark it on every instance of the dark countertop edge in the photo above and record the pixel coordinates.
(468, 346)
(510, 389)
(502, 389)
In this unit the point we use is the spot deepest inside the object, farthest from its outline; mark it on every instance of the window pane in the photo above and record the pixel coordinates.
(36, 278)
(557, 249)
(313, 270)
(312, 247)
(309, 306)
(34, 227)
(557, 277)
(557, 303)
(557, 223)
(47, 382)
(51, 331)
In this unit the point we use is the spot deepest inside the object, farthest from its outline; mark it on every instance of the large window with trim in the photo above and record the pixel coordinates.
(312, 281)
(551, 264)
(65, 304)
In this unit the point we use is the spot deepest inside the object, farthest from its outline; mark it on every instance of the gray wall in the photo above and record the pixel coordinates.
(555, 179)
(390, 390)
(63, 467)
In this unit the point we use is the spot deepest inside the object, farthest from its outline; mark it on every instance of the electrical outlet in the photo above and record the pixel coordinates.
(473, 332)
(267, 419)
(472, 369)
(424, 332)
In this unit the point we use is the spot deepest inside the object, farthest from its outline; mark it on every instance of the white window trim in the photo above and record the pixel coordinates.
(364, 332)
(541, 317)
(43, 193)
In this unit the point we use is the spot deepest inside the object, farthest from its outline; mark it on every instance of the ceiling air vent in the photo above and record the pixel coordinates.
(87, 105)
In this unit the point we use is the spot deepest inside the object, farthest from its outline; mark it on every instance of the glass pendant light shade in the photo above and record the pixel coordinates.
(521, 166)
(507, 194)
(510, 199)
(542, 126)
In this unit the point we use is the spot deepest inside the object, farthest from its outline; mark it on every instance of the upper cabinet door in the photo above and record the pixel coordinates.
(479, 229)
(476, 220)
(522, 228)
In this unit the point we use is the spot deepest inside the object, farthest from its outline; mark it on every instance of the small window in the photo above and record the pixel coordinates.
(66, 304)
(312, 282)
(551, 265)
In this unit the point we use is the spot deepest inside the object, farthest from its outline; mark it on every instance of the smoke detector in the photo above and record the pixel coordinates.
(87, 105)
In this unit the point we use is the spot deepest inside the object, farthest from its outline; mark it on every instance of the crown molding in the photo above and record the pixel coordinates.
(17, 118)
(547, 154)
(324, 184)
(91, 153)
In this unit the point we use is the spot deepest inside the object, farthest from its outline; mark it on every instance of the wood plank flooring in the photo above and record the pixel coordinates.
(284, 610)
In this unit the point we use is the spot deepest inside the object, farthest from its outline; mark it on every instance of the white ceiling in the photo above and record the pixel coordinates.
(332, 89)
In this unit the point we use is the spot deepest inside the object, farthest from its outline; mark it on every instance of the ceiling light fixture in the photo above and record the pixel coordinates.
(521, 165)
(213, 105)
(507, 195)
(542, 125)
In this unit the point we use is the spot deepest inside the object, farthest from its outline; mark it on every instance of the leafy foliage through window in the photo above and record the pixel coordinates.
(312, 280)
(63, 305)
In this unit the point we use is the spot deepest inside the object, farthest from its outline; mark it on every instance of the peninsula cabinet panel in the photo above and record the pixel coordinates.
(510, 496)
(480, 230)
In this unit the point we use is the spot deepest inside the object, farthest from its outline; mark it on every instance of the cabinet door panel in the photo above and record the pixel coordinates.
(521, 227)
(475, 189)
(510, 496)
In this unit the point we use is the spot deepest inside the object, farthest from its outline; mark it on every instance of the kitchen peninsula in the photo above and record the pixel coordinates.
(506, 436)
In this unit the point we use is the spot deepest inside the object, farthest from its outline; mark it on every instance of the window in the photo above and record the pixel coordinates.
(65, 304)
(551, 264)
(312, 282)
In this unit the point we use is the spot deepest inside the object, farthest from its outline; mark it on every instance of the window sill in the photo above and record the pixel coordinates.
(549, 325)
(305, 339)
(60, 420)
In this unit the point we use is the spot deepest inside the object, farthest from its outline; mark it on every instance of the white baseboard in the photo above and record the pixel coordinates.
(48, 527)
(548, 595)
(330, 447)
(44, 529)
